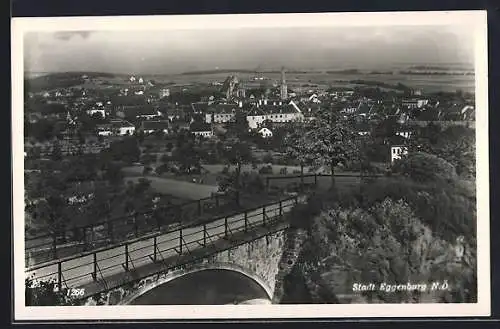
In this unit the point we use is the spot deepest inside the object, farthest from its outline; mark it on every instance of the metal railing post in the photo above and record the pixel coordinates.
(180, 240)
(54, 245)
(199, 207)
(157, 218)
(126, 257)
(85, 244)
(246, 221)
(281, 209)
(204, 235)
(155, 244)
(110, 231)
(264, 215)
(59, 276)
(136, 228)
(94, 274)
(315, 180)
(225, 226)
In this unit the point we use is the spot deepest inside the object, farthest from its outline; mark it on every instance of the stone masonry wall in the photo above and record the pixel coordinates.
(261, 257)
(294, 239)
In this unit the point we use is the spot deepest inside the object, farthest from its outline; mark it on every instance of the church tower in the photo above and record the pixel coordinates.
(284, 89)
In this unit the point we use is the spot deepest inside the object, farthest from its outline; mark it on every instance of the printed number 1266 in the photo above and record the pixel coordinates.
(76, 292)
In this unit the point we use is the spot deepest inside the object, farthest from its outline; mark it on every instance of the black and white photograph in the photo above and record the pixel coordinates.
(251, 166)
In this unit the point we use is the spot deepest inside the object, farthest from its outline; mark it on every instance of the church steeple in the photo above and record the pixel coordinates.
(284, 89)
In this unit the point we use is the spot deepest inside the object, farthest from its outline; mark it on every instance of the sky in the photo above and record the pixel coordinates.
(176, 51)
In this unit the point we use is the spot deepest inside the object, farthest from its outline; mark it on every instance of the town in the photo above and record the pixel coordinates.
(87, 120)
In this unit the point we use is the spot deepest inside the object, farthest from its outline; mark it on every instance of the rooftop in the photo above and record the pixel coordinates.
(155, 125)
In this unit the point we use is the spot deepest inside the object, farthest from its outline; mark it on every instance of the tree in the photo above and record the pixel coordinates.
(385, 129)
(238, 154)
(455, 144)
(56, 154)
(51, 210)
(424, 167)
(332, 141)
(169, 146)
(126, 150)
(239, 126)
(298, 146)
(188, 157)
(45, 293)
(80, 169)
(42, 130)
(113, 174)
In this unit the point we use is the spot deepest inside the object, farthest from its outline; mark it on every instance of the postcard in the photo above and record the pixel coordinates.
(256, 166)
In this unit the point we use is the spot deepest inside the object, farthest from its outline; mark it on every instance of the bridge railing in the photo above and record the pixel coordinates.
(63, 243)
(311, 180)
(99, 265)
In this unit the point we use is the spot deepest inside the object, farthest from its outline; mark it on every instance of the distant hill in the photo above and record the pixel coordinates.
(228, 71)
(225, 71)
(61, 80)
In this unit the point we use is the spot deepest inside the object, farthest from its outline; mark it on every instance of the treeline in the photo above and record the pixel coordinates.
(347, 71)
(398, 86)
(227, 71)
(61, 80)
(435, 73)
(430, 67)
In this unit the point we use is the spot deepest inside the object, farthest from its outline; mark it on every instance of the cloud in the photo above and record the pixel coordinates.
(67, 35)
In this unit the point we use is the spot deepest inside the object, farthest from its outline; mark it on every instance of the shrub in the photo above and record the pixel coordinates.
(163, 169)
(268, 158)
(424, 167)
(385, 243)
(266, 170)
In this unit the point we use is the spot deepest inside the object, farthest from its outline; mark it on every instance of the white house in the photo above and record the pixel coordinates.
(221, 113)
(126, 128)
(116, 128)
(104, 130)
(205, 133)
(149, 127)
(201, 129)
(397, 151)
(275, 113)
(403, 133)
(93, 111)
(164, 93)
(255, 117)
(266, 133)
(415, 103)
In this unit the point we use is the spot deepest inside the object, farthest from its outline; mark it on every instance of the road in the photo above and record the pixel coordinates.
(178, 188)
(78, 272)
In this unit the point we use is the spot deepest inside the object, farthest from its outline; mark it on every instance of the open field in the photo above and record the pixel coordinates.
(178, 188)
(426, 82)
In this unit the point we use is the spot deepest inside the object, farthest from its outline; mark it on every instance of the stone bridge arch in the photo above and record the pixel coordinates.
(259, 260)
(195, 268)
